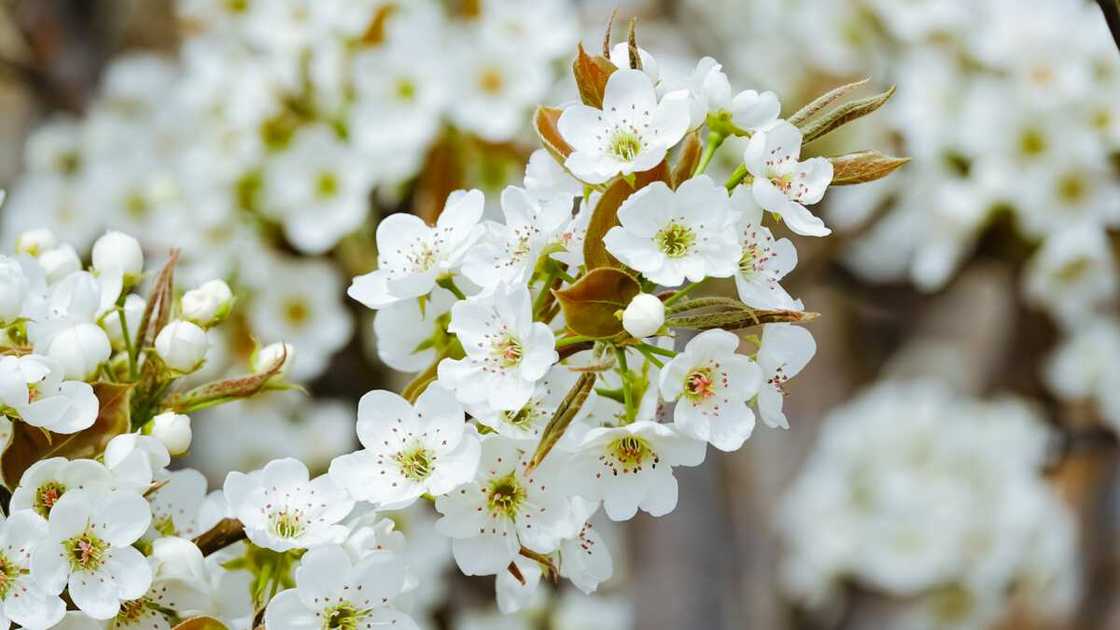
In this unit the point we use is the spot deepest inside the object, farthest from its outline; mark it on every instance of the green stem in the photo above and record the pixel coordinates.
(543, 298)
(627, 392)
(650, 356)
(447, 282)
(714, 141)
(737, 177)
(680, 293)
(647, 347)
(573, 339)
(132, 373)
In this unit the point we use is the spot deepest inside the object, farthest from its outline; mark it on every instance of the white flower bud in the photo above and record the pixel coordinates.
(644, 315)
(267, 357)
(133, 313)
(13, 289)
(182, 346)
(117, 252)
(173, 430)
(35, 242)
(59, 262)
(79, 349)
(208, 304)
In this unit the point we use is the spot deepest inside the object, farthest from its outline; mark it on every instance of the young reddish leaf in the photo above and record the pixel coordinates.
(30, 444)
(802, 115)
(844, 114)
(687, 159)
(591, 74)
(591, 304)
(157, 312)
(863, 166)
(544, 121)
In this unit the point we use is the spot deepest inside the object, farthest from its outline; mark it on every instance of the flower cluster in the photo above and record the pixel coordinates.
(928, 495)
(567, 358)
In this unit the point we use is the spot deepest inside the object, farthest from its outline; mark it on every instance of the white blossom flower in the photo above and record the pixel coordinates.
(208, 304)
(1073, 274)
(33, 388)
(782, 182)
(282, 509)
(620, 57)
(643, 316)
(508, 252)
(181, 584)
(712, 384)
(68, 334)
(709, 92)
(118, 254)
(784, 352)
(632, 133)
(133, 308)
(333, 591)
(412, 255)
(546, 179)
(45, 481)
(135, 460)
(182, 345)
(404, 330)
(584, 558)
(60, 262)
(1082, 367)
(174, 430)
(631, 467)
(490, 519)
(529, 421)
(409, 451)
(764, 262)
(14, 289)
(88, 551)
(670, 236)
(176, 504)
(266, 358)
(506, 351)
(22, 600)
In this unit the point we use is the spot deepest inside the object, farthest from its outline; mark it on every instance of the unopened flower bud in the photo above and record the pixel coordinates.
(182, 346)
(80, 350)
(35, 242)
(208, 304)
(117, 252)
(267, 357)
(173, 430)
(59, 262)
(644, 315)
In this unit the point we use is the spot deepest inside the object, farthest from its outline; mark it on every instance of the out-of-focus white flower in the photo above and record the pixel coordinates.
(1073, 274)
(35, 242)
(782, 182)
(670, 236)
(643, 316)
(13, 289)
(174, 430)
(117, 253)
(784, 352)
(208, 304)
(632, 133)
(267, 357)
(1083, 367)
(182, 345)
(496, 84)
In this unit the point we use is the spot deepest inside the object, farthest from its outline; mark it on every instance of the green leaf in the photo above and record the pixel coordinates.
(591, 74)
(201, 623)
(843, 115)
(863, 166)
(735, 319)
(29, 444)
(563, 417)
(824, 100)
(591, 303)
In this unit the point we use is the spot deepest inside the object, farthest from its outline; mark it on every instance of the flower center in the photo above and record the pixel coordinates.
(675, 240)
(508, 351)
(165, 526)
(131, 612)
(46, 496)
(1032, 142)
(491, 81)
(422, 257)
(343, 616)
(631, 453)
(415, 464)
(326, 185)
(522, 418)
(1072, 188)
(505, 496)
(86, 551)
(699, 385)
(9, 571)
(296, 312)
(626, 145)
(288, 523)
(406, 89)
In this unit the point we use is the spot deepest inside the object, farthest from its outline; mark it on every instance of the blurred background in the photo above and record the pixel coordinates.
(952, 459)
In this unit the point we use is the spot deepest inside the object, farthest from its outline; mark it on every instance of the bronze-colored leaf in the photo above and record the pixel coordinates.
(590, 305)
(843, 115)
(201, 623)
(375, 32)
(736, 319)
(863, 166)
(605, 216)
(226, 390)
(545, 121)
(688, 158)
(157, 311)
(591, 74)
(818, 104)
(562, 418)
(30, 444)
(632, 45)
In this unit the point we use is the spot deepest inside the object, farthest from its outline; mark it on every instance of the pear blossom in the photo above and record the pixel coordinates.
(784, 352)
(265, 359)
(765, 261)
(14, 287)
(34, 242)
(32, 387)
(620, 57)
(405, 331)
(631, 467)
(643, 316)
(584, 558)
(22, 599)
(546, 179)
(632, 133)
(88, 551)
(496, 84)
(175, 505)
(282, 508)
(207, 304)
(136, 460)
(47, 480)
(117, 253)
(68, 334)
(506, 351)
(412, 255)
(1082, 367)
(334, 591)
(182, 345)
(783, 184)
(528, 422)
(515, 593)
(712, 384)
(181, 583)
(709, 92)
(59, 262)
(508, 251)
(670, 236)
(490, 519)
(1074, 273)
(409, 450)
(173, 430)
